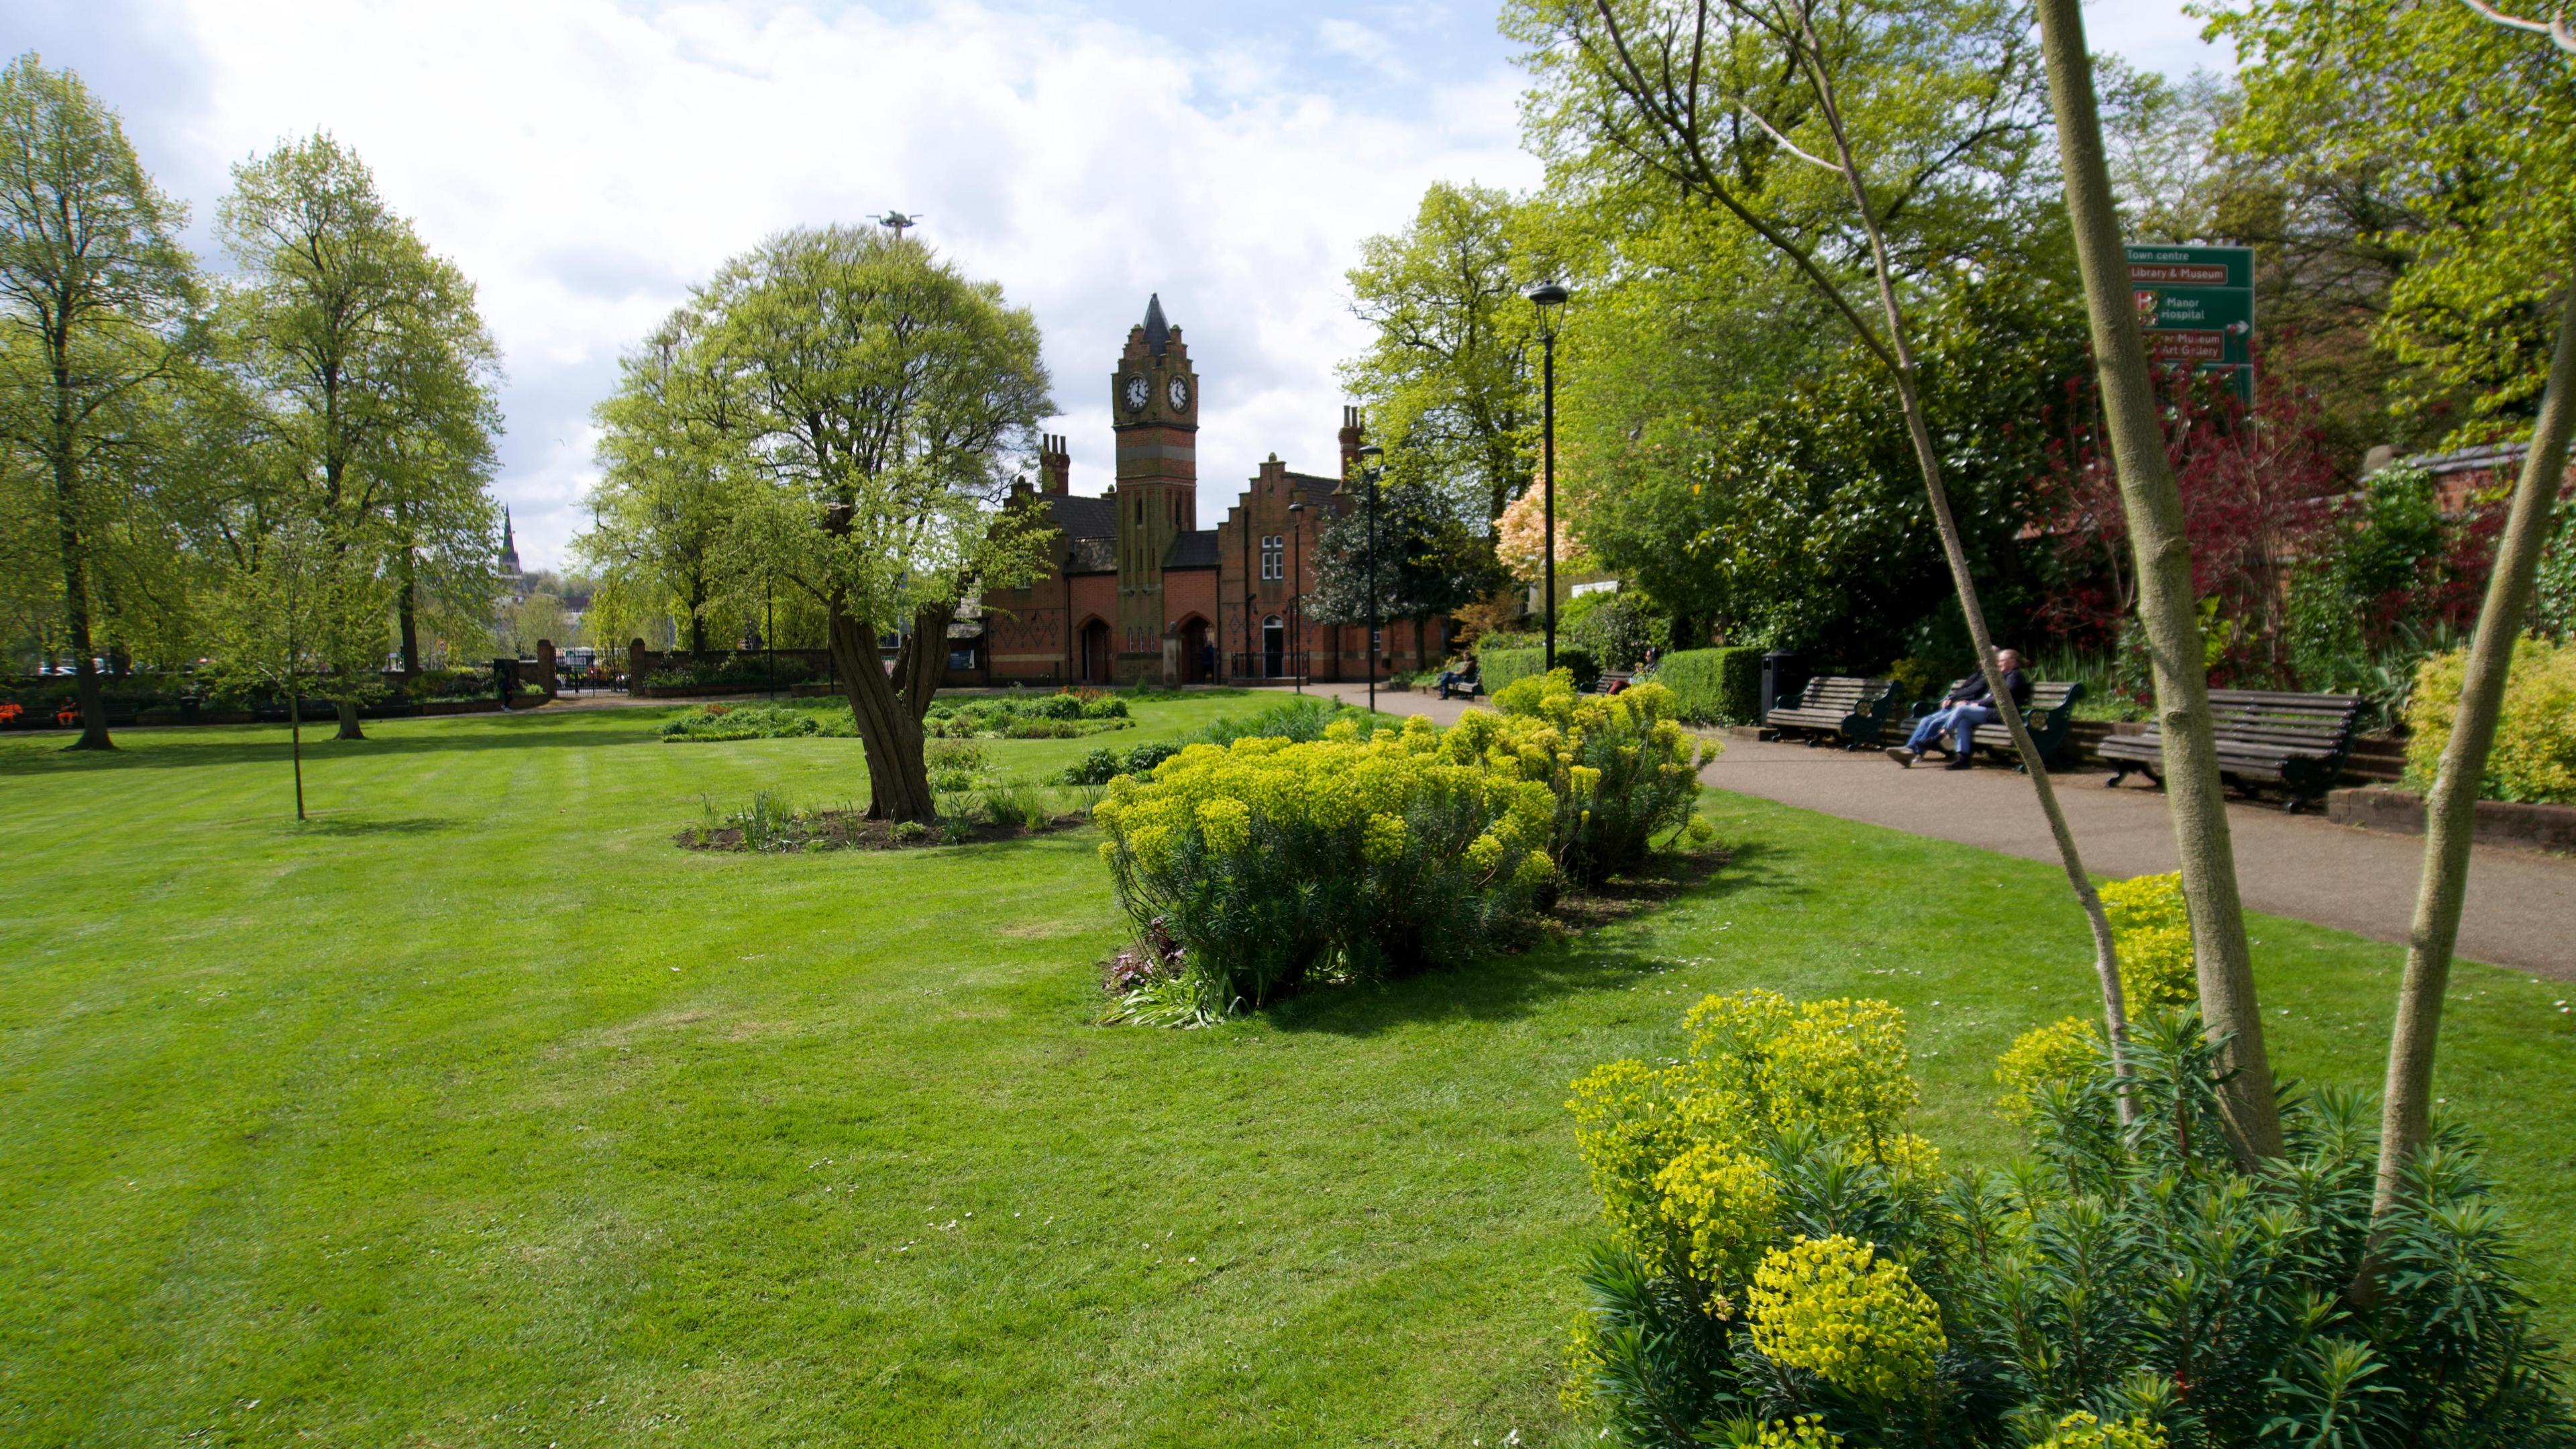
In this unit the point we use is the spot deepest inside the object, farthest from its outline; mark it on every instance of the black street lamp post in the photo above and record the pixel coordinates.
(1296, 595)
(1370, 473)
(1549, 299)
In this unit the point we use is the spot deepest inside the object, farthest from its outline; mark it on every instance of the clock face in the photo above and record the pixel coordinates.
(1179, 392)
(1138, 390)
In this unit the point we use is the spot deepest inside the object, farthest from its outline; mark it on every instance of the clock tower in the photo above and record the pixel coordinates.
(1154, 399)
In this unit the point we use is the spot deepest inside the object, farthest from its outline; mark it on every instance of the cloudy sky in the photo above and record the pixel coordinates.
(585, 161)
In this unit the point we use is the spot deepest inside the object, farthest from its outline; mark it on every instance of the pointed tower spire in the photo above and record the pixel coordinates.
(509, 541)
(1158, 333)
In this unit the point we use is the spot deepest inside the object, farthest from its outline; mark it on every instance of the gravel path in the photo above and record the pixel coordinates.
(2521, 910)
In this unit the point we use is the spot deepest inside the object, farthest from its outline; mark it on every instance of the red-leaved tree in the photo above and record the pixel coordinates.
(2255, 484)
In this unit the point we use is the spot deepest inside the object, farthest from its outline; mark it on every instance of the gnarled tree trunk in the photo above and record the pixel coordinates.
(889, 707)
(2166, 606)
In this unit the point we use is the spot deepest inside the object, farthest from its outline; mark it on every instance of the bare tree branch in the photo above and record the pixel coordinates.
(2561, 29)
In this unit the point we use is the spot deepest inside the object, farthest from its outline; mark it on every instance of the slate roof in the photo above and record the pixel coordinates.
(1082, 517)
(1316, 492)
(1193, 550)
(1158, 333)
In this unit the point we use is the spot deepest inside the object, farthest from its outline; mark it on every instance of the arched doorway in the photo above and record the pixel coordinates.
(1198, 651)
(1274, 648)
(1095, 652)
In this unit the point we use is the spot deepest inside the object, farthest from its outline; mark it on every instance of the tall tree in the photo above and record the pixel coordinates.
(2168, 609)
(1448, 363)
(95, 293)
(380, 379)
(881, 396)
(2450, 213)
(667, 489)
(2450, 809)
(1818, 133)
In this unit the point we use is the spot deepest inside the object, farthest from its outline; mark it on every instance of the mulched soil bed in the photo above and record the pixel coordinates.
(852, 830)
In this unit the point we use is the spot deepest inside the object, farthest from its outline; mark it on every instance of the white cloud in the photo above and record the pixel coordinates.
(585, 163)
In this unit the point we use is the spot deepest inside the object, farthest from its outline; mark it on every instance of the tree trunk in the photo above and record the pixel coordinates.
(407, 617)
(347, 709)
(295, 734)
(2106, 961)
(2165, 604)
(2450, 811)
(75, 556)
(888, 712)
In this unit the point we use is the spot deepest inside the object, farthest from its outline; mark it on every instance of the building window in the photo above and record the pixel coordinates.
(1274, 556)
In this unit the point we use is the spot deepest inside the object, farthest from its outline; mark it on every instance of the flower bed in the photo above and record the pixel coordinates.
(1789, 1263)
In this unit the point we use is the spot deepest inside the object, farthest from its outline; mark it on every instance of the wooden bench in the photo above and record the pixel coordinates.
(2050, 716)
(2265, 737)
(1837, 709)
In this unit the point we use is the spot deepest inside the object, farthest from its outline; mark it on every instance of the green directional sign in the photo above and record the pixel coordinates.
(2197, 306)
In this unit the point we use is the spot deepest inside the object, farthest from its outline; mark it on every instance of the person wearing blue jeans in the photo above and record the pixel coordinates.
(1966, 707)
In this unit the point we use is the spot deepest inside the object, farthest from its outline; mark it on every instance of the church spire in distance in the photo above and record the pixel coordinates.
(1158, 333)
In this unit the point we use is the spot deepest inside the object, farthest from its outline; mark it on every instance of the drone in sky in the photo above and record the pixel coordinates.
(898, 223)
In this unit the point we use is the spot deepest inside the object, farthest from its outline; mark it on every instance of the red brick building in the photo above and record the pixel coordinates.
(1137, 591)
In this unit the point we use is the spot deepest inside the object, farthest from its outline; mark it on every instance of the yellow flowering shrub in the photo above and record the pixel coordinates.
(2151, 929)
(1807, 1431)
(1723, 1202)
(2060, 1052)
(1856, 1320)
(2534, 755)
(1268, 860)
(2081, 1430)
(1677, 1152)
(1620, 765)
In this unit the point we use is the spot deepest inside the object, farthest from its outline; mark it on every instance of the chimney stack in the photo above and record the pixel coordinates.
(1352, 436)
(1055, 463)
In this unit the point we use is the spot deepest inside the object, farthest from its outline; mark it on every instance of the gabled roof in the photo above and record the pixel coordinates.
(1313, 490)
(1193, 550)
(1081, 517)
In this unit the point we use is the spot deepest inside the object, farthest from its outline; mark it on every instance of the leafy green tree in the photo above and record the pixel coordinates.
(95, 297)
(879, 396)
(668, 487)
(1448, 368)
(2461, 181)
(1861, 145)
(378, 378)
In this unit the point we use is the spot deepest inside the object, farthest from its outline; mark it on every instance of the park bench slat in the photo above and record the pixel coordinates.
(2297, 740)
(1838, 709)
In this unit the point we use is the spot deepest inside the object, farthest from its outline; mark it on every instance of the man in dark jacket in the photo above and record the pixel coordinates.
(1966, 707)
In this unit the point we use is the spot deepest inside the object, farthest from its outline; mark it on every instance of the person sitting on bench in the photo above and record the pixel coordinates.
(1461, 678)
(1962, 710)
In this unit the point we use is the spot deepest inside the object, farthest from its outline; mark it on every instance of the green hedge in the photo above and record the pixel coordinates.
(1715, 686)
(1498, 667)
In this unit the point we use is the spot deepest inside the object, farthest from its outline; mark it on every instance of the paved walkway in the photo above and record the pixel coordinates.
(2521, 908)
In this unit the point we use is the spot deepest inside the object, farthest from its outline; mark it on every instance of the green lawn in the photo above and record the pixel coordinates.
(473, 1112)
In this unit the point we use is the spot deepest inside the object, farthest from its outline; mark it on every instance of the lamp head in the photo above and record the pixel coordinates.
(1371, 451)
